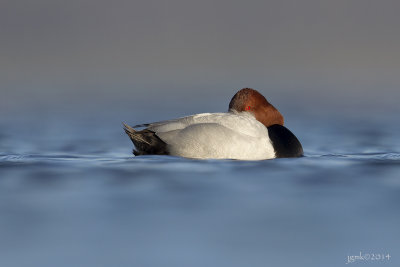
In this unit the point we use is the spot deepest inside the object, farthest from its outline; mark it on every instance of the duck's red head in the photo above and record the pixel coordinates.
(250, 100)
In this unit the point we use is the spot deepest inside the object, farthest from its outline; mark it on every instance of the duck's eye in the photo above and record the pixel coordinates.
(247, 108)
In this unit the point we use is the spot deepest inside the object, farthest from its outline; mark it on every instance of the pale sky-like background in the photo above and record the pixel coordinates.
(183, 57)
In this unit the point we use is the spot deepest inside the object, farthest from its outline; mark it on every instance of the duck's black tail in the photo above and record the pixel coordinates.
(146, 142)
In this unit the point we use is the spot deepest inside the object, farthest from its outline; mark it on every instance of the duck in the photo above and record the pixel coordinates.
(252, 129)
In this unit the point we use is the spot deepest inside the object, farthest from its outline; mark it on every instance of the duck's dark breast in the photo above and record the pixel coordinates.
(285, 143)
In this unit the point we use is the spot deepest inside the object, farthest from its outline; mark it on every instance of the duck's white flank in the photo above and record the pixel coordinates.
(232, 135)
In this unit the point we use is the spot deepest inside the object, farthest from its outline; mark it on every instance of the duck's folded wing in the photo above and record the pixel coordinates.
(170, 125)
(243, 123)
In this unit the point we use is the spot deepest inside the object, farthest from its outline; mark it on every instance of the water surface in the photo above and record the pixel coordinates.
(73, 195)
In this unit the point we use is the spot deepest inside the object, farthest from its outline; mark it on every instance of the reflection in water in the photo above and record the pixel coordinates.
(69, 201)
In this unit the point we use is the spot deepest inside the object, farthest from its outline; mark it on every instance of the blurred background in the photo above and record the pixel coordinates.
(144, 60)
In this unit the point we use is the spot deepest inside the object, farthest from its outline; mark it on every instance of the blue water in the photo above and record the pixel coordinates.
(72, 194)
